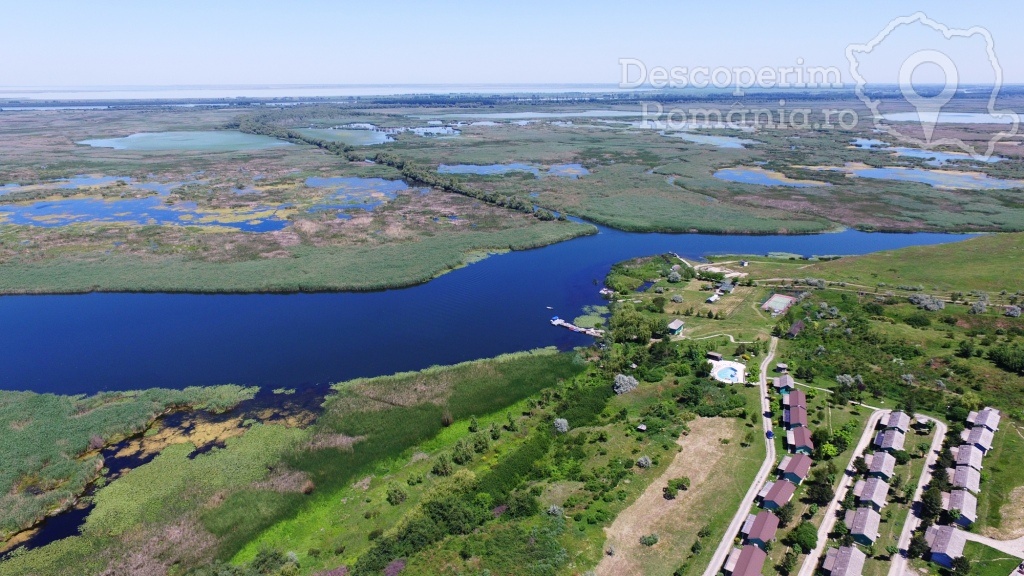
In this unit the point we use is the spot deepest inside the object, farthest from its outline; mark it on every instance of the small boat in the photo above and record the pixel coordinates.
(549, 307)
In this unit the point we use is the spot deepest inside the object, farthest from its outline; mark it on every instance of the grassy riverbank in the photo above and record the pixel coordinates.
(303, 268)
(50, 444)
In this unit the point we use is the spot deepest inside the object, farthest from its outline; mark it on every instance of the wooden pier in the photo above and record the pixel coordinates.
(556, 321)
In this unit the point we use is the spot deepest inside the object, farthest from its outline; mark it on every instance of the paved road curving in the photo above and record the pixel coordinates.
(725, 546)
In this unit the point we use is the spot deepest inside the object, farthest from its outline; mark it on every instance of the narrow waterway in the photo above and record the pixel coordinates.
(88, 343)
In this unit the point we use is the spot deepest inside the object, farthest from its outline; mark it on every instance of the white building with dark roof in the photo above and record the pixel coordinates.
(795, 398)
(890, 440)
(987, 417)
(844, 561)
(898, 421)
(760, 529)
(946, 544)
(863, 523)
(963, 502)
(967, 478)
(783, 383)
(979, 436)
(795, 467)
(871, 492)
(746, 561)
(881, 465)
(969, 455)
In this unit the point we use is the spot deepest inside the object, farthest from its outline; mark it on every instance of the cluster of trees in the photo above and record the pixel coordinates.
(431, 178)
(1009, 357)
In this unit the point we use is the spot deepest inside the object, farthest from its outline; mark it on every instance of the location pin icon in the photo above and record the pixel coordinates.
(928, 108)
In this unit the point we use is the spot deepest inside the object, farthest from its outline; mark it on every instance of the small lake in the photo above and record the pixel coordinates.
(348, 193)
(868, 143)
(347, 136)
(949, 117)
(95, 342)
(937, 178)
(560, 170)
(710, 140)
(932, 157)
(203, 141)
(762, 177)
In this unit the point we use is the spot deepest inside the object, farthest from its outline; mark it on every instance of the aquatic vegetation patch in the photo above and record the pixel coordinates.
(195, 140)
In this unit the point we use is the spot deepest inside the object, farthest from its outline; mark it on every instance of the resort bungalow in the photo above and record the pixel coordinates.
(795, 398)
(717, 356)
(890, 440)
(746, 561)
(799, 440)
(795, 417)
(988, 417)
(871, 492)
(675, 327)
(760, 529)
(795, 468)
(979, 436)
(775, 495)
(946, 544)
(782, 368)
(898, 421)
(795, 329)
(967, 478)
(783, 384)
(881, 465)
(965, 503)
(726, 286)
(713, 298)
(863, 524)
(969, 455)
(844, 561)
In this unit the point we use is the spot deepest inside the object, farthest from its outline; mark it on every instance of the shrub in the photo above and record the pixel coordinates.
(396, 495)
(561, 425)
(805, 535)
(644, 462)
(649, 539)
(442, 466)
(624, 384)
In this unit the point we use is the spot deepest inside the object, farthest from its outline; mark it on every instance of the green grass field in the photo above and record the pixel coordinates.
(990, 263)
(987, 561)
(305, 268)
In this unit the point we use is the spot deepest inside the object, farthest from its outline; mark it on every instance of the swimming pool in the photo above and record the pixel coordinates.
(728, 374)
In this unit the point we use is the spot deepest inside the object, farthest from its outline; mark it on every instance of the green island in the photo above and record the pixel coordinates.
(625, 457)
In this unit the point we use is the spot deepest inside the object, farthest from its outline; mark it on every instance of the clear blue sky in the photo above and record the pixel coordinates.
(153, 42)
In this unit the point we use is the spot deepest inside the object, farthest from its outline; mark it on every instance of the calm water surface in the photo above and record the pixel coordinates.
(87, 343)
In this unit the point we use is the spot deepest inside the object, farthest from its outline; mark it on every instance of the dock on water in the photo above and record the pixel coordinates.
(556, 321)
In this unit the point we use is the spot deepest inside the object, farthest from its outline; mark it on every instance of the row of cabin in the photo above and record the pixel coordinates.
(794, 415)
(871, 494)
(946, 543)
(761, 528)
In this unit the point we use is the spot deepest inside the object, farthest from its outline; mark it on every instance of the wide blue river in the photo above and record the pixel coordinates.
(93, 342)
